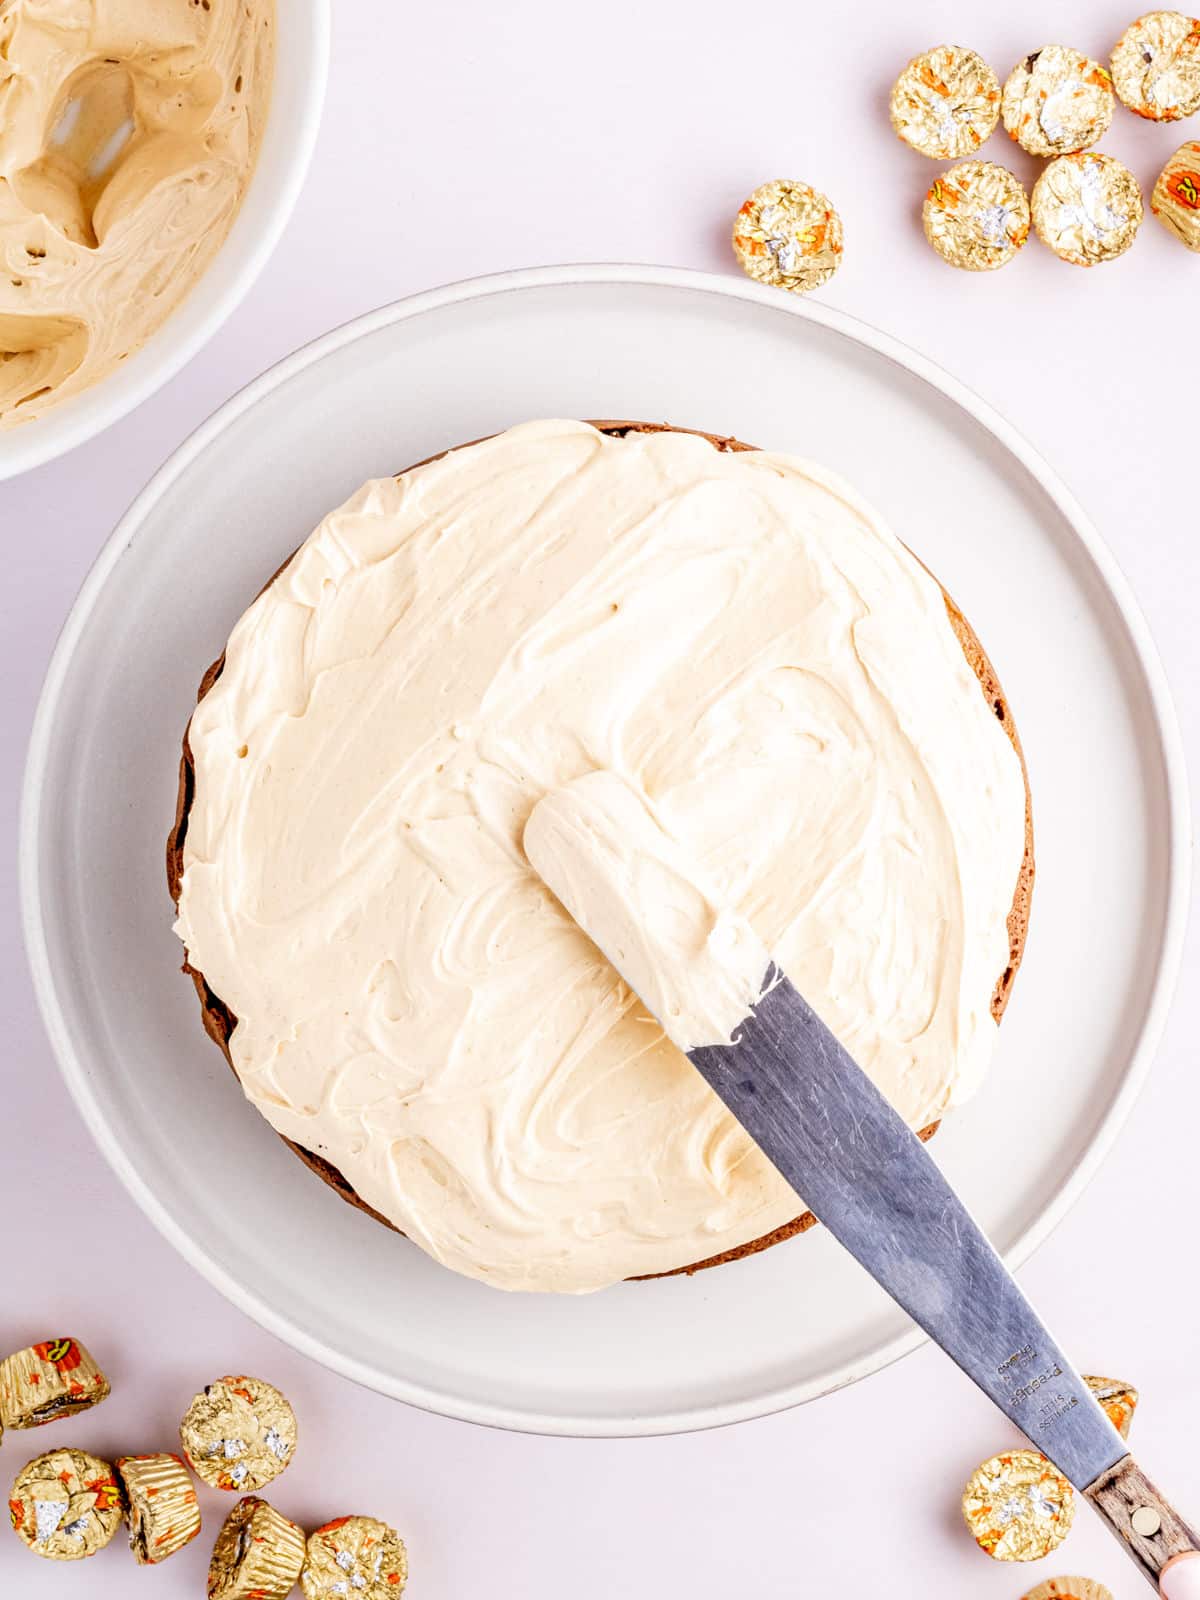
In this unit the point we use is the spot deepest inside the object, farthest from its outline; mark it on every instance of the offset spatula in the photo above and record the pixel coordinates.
(701, 970)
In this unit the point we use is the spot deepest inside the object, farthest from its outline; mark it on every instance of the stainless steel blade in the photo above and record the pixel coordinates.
(873, 1184)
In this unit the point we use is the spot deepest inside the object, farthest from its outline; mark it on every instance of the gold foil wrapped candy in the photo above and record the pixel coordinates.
(164, 1514)
(66, 1505)
(1117, 1400)
(1018, 1507)
(257, 1556)
(1069, 1589)
(1156, 66)
(1087, 208)
(1057, 100)
(1176, 198)
(238, 1433)
(56, 1378)
(945, 102)
(976, 216)
(789, 235)
(356, 1556)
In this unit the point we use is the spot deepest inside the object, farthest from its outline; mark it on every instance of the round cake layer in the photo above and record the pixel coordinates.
(739, 636)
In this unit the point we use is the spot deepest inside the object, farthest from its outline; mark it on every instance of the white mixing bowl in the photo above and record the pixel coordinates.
(301, 67)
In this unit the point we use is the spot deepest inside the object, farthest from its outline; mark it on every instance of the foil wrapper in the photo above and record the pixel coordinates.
(1156, 66)
(56, 1378)
(1018, 1507)
(354, 1556)
(946, 102)
(164, 1513)
(789, 235)
(238, 1433)
(1118, 1401)
(976, 216)
(1087, 208)
(1057, 100)
(257, 1556)
(1069, 1589)
(66, 1505)
(1176, 197)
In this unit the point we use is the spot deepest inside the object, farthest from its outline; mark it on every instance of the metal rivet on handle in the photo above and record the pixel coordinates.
(1145, 1521)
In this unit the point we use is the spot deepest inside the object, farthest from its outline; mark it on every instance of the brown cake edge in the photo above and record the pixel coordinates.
(219, 1021)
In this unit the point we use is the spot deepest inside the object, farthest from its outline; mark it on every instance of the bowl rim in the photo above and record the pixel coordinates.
(94, 409)
(1165, 731)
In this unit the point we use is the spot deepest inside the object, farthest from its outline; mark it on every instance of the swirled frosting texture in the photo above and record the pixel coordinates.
(128, 134)
(740, 639)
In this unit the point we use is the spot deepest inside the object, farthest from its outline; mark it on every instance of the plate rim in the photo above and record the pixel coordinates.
(1167, 738)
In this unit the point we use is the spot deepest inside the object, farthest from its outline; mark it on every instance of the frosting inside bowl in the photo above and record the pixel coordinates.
(741, 640)
(129, 130)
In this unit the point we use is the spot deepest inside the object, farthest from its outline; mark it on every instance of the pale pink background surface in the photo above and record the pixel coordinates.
(466, 139)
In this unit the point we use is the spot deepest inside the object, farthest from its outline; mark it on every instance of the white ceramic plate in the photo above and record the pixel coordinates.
(297, 95)
(970, 497)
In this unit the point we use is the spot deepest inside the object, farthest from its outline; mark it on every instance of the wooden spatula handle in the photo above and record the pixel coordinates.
(1149, 1527)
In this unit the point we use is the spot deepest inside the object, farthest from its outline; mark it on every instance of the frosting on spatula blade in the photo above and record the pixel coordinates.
(697, 965)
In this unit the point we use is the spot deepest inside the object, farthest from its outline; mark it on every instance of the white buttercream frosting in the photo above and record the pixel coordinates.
(739, 638)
